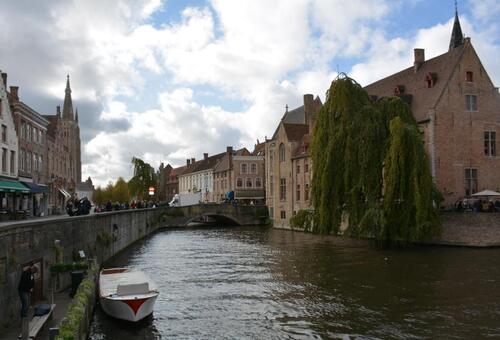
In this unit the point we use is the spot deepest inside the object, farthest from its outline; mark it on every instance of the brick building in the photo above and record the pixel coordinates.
(285, 153)
(63, 153)
(31, 128)
(458, 108)
(241, 173)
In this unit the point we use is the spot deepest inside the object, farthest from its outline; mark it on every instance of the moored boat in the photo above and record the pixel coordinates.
(127, 294)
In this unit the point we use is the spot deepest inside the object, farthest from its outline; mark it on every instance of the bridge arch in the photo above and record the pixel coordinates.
(213, 219)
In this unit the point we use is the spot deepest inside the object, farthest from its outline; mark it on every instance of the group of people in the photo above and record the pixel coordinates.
(78, 206)
(477, 205)
(109, 206)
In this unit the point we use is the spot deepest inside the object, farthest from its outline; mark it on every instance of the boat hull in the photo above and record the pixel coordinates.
(134, 309)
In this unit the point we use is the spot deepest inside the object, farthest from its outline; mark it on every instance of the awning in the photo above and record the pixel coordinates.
(37, 188)
(13, 186)
(249, 194)
(487, 193)
(65, 193)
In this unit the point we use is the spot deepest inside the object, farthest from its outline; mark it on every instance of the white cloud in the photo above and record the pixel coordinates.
(259, 54)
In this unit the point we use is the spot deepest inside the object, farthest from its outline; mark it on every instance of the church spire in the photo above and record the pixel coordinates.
(457, 38)
(67, 113)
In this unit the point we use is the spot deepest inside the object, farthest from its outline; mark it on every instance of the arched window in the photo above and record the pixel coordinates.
(282, 152)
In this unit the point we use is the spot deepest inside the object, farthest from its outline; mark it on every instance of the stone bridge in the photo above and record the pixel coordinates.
(221, 214)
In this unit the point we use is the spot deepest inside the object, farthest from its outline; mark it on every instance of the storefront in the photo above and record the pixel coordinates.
(37, 201)
(12, 194)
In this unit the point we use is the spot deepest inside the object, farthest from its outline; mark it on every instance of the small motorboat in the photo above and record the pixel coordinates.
(127, 294)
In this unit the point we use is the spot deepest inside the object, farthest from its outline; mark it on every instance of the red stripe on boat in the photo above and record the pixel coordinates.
(135, 304)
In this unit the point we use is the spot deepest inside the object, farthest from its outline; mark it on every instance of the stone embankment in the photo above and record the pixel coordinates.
(469, 229)
(49, 241)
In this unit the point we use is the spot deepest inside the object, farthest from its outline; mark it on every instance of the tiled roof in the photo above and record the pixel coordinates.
(259, 149)
(302, 148)
(52, 127)
(415, 85)
(224, 165)
(295, 132)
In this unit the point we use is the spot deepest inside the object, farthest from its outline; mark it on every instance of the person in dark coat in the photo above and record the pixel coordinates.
(109, 206)
(26, 285)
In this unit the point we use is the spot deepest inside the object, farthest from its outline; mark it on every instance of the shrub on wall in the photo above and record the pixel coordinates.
(70, 326)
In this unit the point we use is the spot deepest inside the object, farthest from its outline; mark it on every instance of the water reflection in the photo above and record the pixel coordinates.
(256, 283)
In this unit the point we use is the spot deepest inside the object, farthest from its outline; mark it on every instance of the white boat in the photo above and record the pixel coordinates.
(127, 294)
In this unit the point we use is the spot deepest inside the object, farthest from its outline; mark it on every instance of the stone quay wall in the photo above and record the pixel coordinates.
(470, 229)
(100, 236)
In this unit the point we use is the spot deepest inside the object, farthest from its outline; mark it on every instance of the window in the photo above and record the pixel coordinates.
(271, 212)
(258, 182)
(4, 133)
(28, 132)
(40, 137)
(12, 161)
(40, 163)
(298, 168)
(306, 168)
(283, 214)
(253, 168)
(35, 162)
(239, 182)
(298, 192)
(271, 185)
(282, 189)
(471, 102)
(490, 148)
(23, 130)
(22, 159)
(0, 107)
(248, 183)
(282, 152)
(470, 181)
(4, 160)
(28, 163)
(469, 77)
(244, 168)
(306, 192)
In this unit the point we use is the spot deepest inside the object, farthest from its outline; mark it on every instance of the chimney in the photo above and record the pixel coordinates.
(4, 77)
(188, 161)
(58, 110)
(308, 107)
(14, 93)
(205, 156)
(192, 160)
(419, 54)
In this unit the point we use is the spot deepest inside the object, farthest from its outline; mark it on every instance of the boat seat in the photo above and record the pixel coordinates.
(133, 288)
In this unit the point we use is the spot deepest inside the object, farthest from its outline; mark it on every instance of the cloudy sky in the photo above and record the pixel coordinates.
(167, 80)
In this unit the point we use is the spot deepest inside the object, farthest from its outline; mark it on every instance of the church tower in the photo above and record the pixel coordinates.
(71, 137)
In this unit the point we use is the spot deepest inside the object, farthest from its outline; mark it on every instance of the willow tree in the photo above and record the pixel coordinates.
(352, 144)
(144, 177)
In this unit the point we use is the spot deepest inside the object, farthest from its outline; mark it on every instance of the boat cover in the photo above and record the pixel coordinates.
(130, 282)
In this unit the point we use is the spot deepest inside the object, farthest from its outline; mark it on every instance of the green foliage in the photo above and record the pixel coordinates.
(70, 326)
(144, 177)
(370, 164)
(106, 239)
(117, 192)
(65, 267)
(302, 220)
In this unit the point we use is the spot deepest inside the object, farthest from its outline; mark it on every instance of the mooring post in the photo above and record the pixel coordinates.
(53, 332)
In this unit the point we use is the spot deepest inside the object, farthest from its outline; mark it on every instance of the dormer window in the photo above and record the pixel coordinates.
(431, 79)
(469, 77)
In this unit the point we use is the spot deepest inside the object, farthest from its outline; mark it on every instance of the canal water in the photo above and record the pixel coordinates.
(253, 283)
